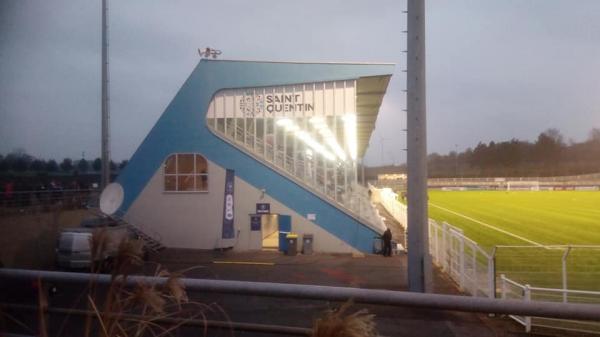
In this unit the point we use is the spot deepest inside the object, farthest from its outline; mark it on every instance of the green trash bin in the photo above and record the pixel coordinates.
(292, 244)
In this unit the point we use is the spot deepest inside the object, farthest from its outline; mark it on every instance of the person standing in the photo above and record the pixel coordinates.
(387, 242)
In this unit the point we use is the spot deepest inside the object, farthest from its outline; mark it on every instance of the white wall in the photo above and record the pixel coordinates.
(194, 220)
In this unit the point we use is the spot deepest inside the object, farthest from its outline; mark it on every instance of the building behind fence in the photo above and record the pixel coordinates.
(568, 274)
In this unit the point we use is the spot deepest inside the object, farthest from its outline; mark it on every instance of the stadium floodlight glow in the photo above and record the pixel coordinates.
(321, 126)
(288, 124)
(304, 136)
(350, 130)
(310, 141)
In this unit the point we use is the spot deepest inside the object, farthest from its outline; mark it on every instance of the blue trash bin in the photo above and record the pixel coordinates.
(283, 244)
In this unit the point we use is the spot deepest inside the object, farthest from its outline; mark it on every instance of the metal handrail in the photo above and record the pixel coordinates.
(371, 296)
(285, 162)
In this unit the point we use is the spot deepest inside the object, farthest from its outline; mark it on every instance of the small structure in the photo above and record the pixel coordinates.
(248, 151)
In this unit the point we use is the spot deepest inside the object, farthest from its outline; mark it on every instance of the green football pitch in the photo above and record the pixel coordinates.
(529, 218)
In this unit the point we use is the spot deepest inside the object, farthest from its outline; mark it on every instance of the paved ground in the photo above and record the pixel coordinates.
(370, 271)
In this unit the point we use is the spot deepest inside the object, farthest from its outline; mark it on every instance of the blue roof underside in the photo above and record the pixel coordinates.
(182, 128)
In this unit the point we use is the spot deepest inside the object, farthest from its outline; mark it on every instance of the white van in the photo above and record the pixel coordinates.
(74, 249)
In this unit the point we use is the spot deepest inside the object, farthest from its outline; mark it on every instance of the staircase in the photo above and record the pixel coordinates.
(151, 243)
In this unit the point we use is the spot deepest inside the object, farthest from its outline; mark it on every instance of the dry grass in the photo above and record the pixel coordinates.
(149, 309)
(136, 311)
(340, 323)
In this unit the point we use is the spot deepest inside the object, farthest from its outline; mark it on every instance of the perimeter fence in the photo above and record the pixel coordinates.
(39, 201)
(552, 273)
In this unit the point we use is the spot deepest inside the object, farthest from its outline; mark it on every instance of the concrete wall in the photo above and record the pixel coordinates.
(194, 220)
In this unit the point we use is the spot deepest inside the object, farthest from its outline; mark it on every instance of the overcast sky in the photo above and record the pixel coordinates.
(496, 69)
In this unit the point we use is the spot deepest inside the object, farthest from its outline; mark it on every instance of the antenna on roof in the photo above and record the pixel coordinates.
(209, 52)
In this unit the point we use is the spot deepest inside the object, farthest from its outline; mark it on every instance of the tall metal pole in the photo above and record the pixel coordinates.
(105, 174)
(419, 261)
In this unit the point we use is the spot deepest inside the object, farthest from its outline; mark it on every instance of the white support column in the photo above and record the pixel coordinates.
(264, 123)
(273, 119)
(564, 274)
(225, 117)
(214, 113)
(254, 132)
(492, 274)
(362, 172)
(295, 143)
(461, 259)
(345, 145)
(315, 156)
(419, 261)
(474, 261)
(235, 119)
(527, 295)
(325, 161)
(335, 136)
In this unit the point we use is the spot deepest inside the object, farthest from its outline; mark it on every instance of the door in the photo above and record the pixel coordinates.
(285, 226)
(270, 231)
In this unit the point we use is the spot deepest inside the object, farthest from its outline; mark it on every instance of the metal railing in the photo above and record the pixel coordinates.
(513, 290)
(475, 269)
(469, 265)
(351, 197)
(577, 311)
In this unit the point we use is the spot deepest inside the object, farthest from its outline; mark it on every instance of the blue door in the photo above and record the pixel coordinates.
(285, 226)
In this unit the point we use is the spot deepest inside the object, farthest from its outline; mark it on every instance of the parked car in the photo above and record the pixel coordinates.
(74, 249)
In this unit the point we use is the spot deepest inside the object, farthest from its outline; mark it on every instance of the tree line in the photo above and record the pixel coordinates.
(548, 155)
(18, 161)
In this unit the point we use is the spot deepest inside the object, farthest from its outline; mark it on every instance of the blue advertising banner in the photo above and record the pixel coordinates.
(228, 231)
(254, 222)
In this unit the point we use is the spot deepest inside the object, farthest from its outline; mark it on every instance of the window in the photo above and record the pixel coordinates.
(186, 172)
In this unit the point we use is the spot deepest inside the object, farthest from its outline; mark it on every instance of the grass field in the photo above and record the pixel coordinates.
(527, 218)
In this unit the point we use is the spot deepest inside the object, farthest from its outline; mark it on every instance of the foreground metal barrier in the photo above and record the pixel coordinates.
(370, 296)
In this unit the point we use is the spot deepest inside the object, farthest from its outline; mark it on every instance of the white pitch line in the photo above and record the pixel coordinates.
(488, 225)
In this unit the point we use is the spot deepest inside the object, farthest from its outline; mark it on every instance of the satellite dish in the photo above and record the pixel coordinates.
(111, 198)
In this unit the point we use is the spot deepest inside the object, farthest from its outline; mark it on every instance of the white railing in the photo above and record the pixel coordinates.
(474, 268)
(469, 265)
(513, 290)
(390, 202)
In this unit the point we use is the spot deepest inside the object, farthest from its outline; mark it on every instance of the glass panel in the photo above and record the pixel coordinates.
(221, 124)
(260, 128)
(185, 163)
(250, 132)
(170, 183)
(230, 125)
(269, 139)
(170, 165)
(185, 183)
(201, 165)
(202, 183)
